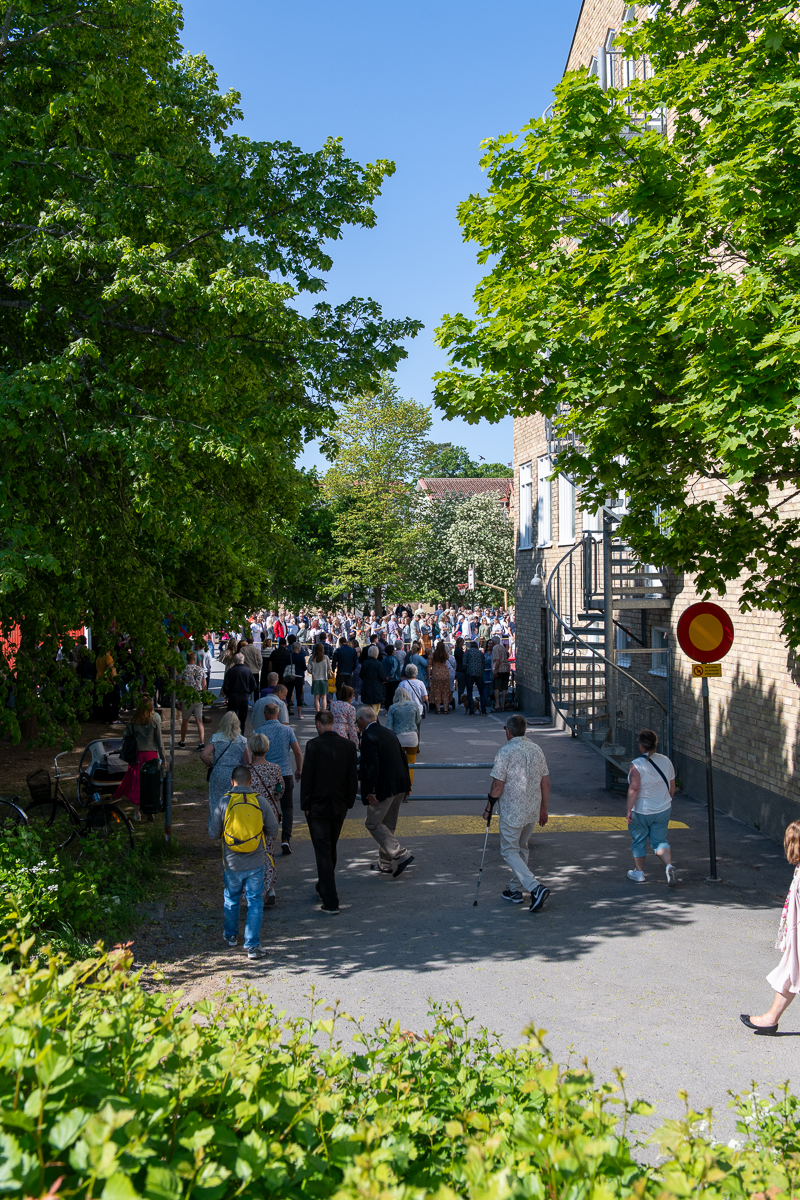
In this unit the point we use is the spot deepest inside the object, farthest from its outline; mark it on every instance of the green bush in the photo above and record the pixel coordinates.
(108, 1090)
(69, 899)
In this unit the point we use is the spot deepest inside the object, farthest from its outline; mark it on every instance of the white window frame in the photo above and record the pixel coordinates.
(566, 511)
(526, 506)
(544, 502)
(660, 658)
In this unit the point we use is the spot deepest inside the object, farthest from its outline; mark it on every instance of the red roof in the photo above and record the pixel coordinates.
(440, 489)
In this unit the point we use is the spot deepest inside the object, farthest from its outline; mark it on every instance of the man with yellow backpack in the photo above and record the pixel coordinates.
(241, 819)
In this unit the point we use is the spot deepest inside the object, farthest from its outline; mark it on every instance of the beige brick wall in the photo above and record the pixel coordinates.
(595, 20)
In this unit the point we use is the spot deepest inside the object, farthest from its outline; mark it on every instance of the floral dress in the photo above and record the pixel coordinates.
(440, 690)
(268, 781)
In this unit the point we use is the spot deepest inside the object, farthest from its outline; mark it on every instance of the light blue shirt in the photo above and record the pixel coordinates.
(281, 740)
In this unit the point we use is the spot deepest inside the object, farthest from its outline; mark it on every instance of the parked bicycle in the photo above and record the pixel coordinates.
(95, 818)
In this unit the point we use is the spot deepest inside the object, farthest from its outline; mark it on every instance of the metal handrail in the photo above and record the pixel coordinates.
(586, 645)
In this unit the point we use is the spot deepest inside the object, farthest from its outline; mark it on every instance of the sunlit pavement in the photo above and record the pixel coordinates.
(641, 977)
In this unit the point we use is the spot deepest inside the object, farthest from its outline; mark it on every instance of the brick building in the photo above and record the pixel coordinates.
(754, 706)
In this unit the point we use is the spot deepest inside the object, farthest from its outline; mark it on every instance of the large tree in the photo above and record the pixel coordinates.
(453, 462)
(379, 448)
(645, 290)
(455, 534)
(157, 379)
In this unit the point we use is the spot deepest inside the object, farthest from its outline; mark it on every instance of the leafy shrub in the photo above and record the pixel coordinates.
(117, 1093)
(71, 898)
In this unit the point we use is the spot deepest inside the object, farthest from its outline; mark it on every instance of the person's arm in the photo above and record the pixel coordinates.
(543, 811)
(369, 770)
(298, 758)
(352, 776)
(215, 820)
(207, 754)
(307, 778)
(634, 785)
(271, 825)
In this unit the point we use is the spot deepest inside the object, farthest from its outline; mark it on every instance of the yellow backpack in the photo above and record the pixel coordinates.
(243, 825)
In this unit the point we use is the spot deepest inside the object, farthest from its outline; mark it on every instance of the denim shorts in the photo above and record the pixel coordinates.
(649, 825)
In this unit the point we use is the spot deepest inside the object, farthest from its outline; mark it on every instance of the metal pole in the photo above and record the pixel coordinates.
(712, 836)
(608, 624)
(168, 810)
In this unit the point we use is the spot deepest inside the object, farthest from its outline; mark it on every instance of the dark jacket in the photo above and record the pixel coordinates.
(372, 679)
(345, 659)
(329, 781)
(238, 682)
(384, 768)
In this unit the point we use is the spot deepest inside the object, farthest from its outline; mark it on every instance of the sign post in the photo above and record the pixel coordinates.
(471, 579)
(705, 633)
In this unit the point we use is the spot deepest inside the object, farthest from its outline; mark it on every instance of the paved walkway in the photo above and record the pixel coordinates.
(641, 977)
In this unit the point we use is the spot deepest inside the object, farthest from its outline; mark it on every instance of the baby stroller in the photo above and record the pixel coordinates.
(101, 770)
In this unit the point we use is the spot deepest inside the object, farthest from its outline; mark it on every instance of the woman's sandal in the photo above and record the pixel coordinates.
(767, 1030)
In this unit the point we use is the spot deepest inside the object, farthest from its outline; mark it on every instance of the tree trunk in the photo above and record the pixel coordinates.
(378, 603)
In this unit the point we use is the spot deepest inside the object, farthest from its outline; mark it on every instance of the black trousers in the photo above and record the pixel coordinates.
(297, 688)
(343, 680)
(391, 686)
(477, 680)
(287, 808)
(325, 832)
(239, 706)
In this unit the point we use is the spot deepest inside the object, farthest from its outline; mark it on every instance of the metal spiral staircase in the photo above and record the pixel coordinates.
(605, 692)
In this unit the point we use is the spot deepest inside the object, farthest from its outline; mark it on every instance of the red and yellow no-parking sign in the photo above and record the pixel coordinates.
(705, 632)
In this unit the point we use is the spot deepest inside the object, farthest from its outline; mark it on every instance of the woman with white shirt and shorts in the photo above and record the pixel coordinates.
(651, 786)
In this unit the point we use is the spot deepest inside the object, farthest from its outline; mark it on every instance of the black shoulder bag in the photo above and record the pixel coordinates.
(129, 750)
(656, 767)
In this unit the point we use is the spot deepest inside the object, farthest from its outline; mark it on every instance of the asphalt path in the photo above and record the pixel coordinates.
(643, 978)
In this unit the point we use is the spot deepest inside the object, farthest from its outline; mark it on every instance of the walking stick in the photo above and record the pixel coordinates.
(483, 856)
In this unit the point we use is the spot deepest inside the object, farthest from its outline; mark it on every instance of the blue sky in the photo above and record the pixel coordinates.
(420, 84)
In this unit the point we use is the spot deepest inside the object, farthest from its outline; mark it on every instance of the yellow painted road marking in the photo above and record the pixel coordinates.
(414, 826)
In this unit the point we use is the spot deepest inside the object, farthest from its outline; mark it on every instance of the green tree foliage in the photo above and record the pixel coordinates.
(651, 287)
(379, 448)
(113, 1090)
(157, 379)
(453, 462)
(455, 534)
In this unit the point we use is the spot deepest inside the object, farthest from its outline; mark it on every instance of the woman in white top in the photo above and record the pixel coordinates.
(319, 668)
(651, 786)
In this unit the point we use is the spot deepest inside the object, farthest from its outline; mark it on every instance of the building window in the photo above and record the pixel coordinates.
(659, 642)
(593, 521)
(526, 506)
(623, 645)
(566, 511)
(544, 502)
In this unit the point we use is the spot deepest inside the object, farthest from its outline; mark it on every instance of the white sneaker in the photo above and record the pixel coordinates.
(636, 876)
(672, 875)
(256, 952)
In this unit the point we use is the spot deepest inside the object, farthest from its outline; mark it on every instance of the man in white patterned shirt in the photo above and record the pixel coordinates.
(192, 677)
(521, 785)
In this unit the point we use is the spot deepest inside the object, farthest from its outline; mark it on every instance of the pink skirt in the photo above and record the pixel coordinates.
(130, 781)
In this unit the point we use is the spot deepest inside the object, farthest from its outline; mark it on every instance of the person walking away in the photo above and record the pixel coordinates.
(416, 690)
(473, 678)
(283, 745)
(785, 979)
(252, 657)
(327, 790)
(458, 656)
(237, 688)
(488, 673)
(385, 783)
(295, 684)
(501, 668)
(267, 782)
(243, 819)
(276, 694)
(417, 659)
(440, 680)
(404, 719)
(319, 668)
(345, 658)
(344, 715)
(521, 784)
(391, 671)
(651, 786)
(226, 750)
(372, 680)
(192, 677)
(146, 725)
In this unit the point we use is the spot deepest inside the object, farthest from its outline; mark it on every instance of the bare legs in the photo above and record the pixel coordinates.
(779, 1006)
(665, 854)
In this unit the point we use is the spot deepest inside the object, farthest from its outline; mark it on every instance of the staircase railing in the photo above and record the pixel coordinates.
(603, 704)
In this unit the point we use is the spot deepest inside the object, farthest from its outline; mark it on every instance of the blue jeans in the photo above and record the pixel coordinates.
(253, 883)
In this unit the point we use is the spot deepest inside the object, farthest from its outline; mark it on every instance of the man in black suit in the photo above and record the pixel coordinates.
(385, 783)
(328, 788)
(237, 688)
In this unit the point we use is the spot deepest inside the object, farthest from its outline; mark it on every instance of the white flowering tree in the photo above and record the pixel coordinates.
(455, 534)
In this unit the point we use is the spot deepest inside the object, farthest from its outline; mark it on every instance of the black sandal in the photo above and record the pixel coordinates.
(765, 1030)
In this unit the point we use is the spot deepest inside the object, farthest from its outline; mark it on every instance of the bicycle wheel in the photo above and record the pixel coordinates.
(52, 821)
(108, 824)
(11, 815)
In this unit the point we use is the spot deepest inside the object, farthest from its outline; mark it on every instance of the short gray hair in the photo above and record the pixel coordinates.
(271, 708)
(411, 671)
(517, 725)
(259, 743)
(366, 714)
(238, 658)
(373, 652)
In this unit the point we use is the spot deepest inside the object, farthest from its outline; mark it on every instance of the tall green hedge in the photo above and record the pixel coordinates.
(110, 1090)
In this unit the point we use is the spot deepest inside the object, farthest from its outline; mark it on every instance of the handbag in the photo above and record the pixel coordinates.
(129, 750)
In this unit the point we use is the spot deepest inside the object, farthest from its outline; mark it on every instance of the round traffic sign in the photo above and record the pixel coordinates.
(705, 632)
